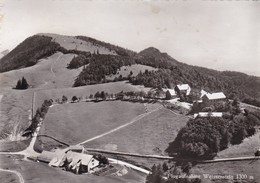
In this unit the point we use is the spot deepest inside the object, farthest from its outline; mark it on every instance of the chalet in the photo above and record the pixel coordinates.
(183, 89)
(79, 162)
(208, 114)
(211, 98)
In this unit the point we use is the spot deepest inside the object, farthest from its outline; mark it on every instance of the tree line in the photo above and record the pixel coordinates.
(38, 117)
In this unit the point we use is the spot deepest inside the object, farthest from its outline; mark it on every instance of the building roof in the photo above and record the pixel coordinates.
(206, 114)
(172, 91)
(183, 87)
(214, 96)
(56, 162)
(202, 93)
(76, 157)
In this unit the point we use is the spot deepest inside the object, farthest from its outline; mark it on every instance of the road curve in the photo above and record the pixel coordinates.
(18, 174)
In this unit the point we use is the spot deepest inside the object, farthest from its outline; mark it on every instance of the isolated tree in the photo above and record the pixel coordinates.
(97, 95)
(64, 99)
(165, 166)
(22, 84)
(91, 96)
(19, 84)
(25, 85)
(102, 95)
(74, 99)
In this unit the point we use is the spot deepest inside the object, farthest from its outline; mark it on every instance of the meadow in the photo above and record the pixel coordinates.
(76, 122)
(149, 135)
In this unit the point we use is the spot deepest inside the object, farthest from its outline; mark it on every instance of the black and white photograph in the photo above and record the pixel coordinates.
(129, 91)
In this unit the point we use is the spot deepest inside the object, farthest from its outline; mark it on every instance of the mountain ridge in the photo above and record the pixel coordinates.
(105, 59)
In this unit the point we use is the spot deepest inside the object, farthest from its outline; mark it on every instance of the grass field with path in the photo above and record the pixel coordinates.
(76, 122)
(149, 135)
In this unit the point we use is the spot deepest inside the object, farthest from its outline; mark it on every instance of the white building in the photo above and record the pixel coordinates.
(80, 161)
(208, 114)
(183, 88)
(213, 97)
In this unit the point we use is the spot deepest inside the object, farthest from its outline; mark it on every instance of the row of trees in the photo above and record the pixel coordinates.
(38, 117)
(22, 84)
(204, 137)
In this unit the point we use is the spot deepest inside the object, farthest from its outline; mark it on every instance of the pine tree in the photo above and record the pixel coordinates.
(19, 84)
(24, 85)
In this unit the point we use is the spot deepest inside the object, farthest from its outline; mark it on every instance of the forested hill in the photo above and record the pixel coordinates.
(39, 46)
(105, 59)
(28, 53)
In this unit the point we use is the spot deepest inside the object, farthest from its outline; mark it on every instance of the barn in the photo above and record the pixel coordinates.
(79, 162)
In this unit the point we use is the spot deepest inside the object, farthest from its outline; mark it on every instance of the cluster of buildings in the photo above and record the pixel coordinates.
(71, 159)
(206, 99)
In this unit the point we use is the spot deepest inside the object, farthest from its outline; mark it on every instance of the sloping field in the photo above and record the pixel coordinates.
(41, 173)
(15, 109)
(246, 148)
(16, 105)
(149, 135)
(72, 43)
(135, 68)
(76, 122)
(50, 72)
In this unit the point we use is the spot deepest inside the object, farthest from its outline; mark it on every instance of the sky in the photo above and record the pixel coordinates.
(222, 35)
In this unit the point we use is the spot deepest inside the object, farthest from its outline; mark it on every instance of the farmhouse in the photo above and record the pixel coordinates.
(170, 92)
(183, 89)
(213, 98)
(79, 162)
(208, 114)
(71, 159)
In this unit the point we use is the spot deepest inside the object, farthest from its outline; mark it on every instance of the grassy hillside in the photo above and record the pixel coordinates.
(149, 135)
(75, 43)
(76, 122)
